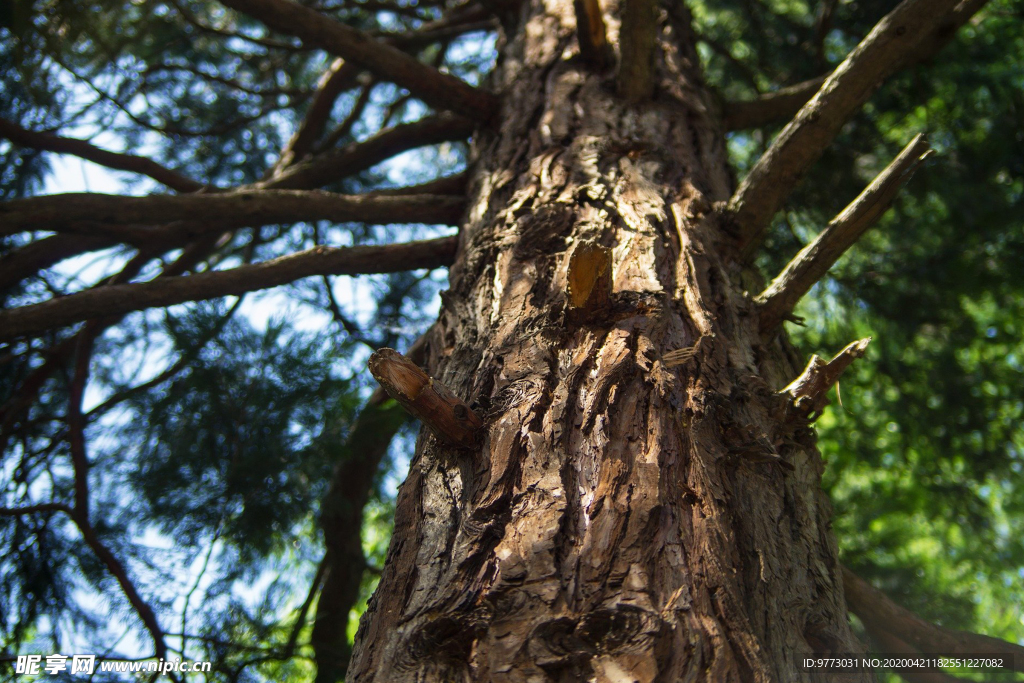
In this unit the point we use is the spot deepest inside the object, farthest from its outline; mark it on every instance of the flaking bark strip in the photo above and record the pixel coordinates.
(450, 419)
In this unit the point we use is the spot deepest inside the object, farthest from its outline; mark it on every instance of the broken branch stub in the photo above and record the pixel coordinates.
(809, 391)
(450, 419)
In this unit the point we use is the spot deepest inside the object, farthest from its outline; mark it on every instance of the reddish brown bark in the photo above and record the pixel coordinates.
(624, 519)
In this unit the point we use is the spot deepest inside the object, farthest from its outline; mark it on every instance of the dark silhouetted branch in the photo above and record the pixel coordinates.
(637, 37)
(86, 150)
(28, 260)
(95, 213)
(879, 614)
(814, 260)
(591, 33)
(341, 518)
(338, 78)
(773, 107)
(336, 164)
(890, 43)
(119, 299)
(439, 90)
(34, 509)
(809, 391)
(354, 114)
(783, 104)
(80, 510)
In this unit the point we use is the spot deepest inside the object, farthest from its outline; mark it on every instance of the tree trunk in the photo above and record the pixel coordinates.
(630, 514)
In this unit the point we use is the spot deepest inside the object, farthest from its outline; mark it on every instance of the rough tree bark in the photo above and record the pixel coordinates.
(625, 516)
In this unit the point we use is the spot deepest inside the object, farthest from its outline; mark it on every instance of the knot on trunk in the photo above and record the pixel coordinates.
(568, 642)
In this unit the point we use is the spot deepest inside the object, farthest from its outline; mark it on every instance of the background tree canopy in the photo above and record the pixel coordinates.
(217, 433)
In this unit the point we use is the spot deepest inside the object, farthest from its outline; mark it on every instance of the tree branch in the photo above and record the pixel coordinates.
(91, 213)
(41, 254)
(809, 391)
(450, 419)
(33, 509)
(814, 260)
(12, 411)
(769, 108)
(448, 185)
(339, 77)
(355, 114)
(891, 42)
(341, 518)
(86, 150)
(439, 90)
(336, 164)
(120, 299)
(80, 510)
(784, 103)
(636, 50)
(889, 643)
(879, 614)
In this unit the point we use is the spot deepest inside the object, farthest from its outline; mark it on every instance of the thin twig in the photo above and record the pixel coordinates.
(335, 164)
(437, 89)
(90, 152)
(80, 511)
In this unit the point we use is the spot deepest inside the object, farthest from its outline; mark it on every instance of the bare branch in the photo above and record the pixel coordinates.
(439, 90)
(90, 152)
(636, 46)
(454, 24)
(769, 108)
(319, 170)
(354, 114)
(814, 260)
(341, 517)
(591, 33)
(783, 104)
(450, 419)
(338, 78)
(120, 299)
(334, 165)
(890, 43)
(80, 511)
(879, 614)
(809, 391)
(33, 509)
(91, 213)
(28, 260)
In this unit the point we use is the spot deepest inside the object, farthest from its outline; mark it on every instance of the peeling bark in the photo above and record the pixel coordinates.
(624, 518)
